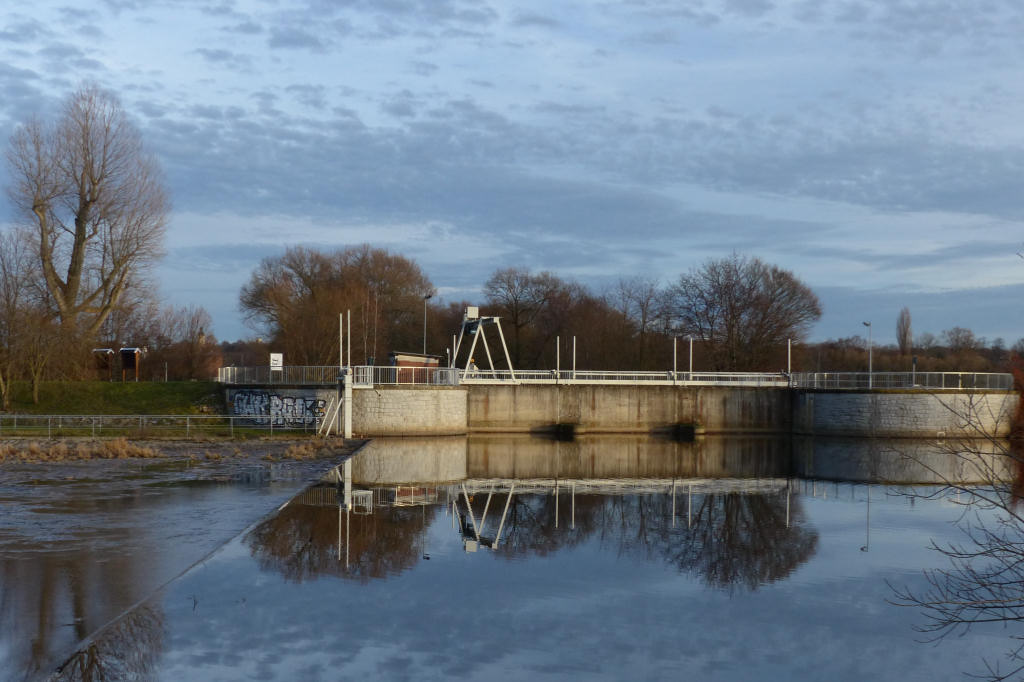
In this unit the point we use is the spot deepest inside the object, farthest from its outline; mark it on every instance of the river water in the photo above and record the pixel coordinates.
(602, 558)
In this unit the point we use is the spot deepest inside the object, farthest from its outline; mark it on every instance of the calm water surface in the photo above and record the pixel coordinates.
(605, 558)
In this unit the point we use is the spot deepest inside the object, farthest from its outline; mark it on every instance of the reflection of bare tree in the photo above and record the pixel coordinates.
(732, 540)
(984, 582)
(48, 606)
(126, 650)
(303, 541)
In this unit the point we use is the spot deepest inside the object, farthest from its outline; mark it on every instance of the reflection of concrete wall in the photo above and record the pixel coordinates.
(400, 411)
(900, 460)
(627, 409)
(411, 460)
(903, 414)
(600, 457)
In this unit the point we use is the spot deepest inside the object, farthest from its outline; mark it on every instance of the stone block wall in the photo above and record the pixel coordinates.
(903, 414)
(409, 411)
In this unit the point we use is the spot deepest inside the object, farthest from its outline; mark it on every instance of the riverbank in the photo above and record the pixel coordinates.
(27, 450)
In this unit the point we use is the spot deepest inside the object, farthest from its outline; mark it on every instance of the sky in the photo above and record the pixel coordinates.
(872, 147)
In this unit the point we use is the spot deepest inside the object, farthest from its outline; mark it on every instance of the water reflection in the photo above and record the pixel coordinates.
(983, 582)
(509, 517)
(82, 542)
(721, 509)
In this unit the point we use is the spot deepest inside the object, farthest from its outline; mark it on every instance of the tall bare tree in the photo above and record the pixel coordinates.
(904, 334)
(742, 309)
(93, 203)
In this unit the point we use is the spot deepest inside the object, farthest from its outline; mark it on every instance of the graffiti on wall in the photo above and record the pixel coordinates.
(280, 410)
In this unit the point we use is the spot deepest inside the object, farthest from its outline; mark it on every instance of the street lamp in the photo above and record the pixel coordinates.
(868, 325)
(426, 298)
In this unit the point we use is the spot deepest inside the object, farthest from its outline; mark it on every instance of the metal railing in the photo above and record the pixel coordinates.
(368, 376)
(146, 425)
(365, 376)
(923, 381)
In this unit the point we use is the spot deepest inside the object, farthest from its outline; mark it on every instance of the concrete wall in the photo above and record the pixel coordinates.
(409, 411)
(627, 409)
(903, 414)
(445, 410)
(283, 406)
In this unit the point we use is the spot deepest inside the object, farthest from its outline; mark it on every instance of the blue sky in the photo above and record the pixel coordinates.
(873, 147)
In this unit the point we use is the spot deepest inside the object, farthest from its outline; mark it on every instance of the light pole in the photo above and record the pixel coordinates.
(868, 325)
(426, 298)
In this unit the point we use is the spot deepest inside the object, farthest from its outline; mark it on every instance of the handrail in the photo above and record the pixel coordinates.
(369, 376)
(921, 381)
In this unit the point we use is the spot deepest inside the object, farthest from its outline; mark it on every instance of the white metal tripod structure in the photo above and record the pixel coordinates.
(474, 325)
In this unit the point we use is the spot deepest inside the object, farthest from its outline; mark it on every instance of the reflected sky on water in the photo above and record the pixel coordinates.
(80, 542)
(725, 559)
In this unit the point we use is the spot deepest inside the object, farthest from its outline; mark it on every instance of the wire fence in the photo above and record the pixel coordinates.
(143, 425)
(921, 381)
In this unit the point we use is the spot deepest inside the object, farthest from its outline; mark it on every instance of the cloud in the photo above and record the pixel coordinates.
(294, 39)
(20, 29)
(529, 19)
(226, 58)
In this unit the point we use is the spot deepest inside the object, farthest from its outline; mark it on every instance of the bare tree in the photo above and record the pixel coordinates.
(15, 296)
(93, 201)
(984, 581)
(637, 299)
(521, 296)
(296, 297)
(743, 310)
(904, 335)
(960, 339)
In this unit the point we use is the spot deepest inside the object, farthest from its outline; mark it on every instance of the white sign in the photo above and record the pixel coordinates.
(277, 361)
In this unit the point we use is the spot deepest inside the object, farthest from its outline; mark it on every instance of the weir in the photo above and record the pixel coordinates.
(403, 401)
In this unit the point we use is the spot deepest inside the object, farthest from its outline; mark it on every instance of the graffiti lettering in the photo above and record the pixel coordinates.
(285, 411)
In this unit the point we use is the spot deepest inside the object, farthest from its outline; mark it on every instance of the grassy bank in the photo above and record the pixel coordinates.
(104, 397)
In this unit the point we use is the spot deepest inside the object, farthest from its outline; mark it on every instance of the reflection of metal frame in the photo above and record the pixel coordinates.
(471, 532)
(362, 502)
(405, 496)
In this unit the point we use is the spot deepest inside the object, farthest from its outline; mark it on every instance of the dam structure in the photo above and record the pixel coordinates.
(372, 401)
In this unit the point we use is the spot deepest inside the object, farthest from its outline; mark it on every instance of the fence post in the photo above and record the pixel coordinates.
(188, 431)
(49, 421)
(231, 425)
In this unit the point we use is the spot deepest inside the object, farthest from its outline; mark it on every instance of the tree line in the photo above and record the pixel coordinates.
(91, 211)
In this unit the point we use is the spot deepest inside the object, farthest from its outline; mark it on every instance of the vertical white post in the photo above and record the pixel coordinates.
(574, 506)
(556, 503)
(558, 356)
(574, 356)
(349, 339)
(675, 365)
(691, 358)
(789, 356)
(454, 351)
(870, 368)
(348, 401)
(341, 339)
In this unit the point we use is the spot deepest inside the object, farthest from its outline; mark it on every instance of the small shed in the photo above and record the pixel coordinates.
(131, 361)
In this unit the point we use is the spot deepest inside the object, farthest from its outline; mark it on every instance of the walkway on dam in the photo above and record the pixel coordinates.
(371, 376)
